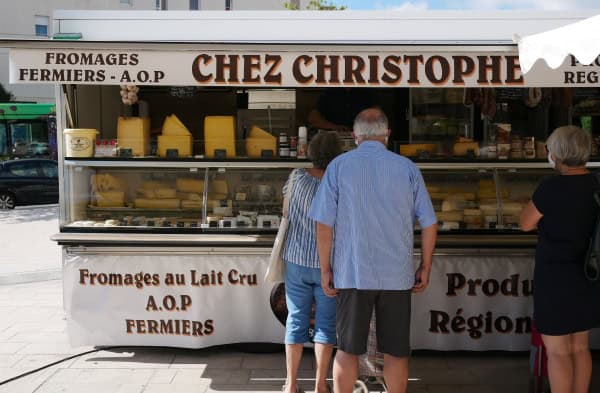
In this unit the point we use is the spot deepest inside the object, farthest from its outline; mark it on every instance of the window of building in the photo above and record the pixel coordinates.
(194, 5)
(228, 5)
(161, 5)
(41, 26)
(125, 2)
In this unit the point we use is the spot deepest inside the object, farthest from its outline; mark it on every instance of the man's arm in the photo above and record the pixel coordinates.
(317, 120)
(428, 238)
(324, 245)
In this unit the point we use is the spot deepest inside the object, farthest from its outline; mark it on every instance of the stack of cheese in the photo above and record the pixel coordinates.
(190, 192)
(108, 190)
(219, 135)
(156, 195)
(134, 133)
(258, 141)
(175, 135)
(452, 209)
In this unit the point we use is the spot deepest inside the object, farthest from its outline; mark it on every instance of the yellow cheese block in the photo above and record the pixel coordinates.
(215, 196)
(106, 182)
(146, 203)
(255, 146)
(413, 150)
(173, 126)
(462, 148)
(257, 132)
(189, 196)
(219, 134)
(187, 204)
(110, 199)
(472, 212)
(219, 187)
(134, 133)
(456, 215)
(182, 143)
(185, 184)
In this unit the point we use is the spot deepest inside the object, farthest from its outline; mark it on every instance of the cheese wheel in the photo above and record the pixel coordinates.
(187, 204)
(110, 199)
(106, 182)
(472, 212)
(184, 184)
(190, 196)
(145, 203)
(219, 187)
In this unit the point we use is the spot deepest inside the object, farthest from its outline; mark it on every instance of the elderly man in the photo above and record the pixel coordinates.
(372, 197)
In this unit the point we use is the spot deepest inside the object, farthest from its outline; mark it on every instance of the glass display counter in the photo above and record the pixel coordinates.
(477, 204)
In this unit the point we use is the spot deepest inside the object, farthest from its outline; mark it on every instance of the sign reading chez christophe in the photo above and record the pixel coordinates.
(196, 301)
(391, 67)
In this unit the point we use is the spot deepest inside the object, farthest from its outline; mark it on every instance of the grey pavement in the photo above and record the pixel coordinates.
(33, 334)
(26, 252)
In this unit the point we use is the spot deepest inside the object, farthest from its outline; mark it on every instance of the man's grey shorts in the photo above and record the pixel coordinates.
(392, 312)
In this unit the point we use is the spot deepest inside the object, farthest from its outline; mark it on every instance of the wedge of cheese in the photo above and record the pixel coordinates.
(260, 140)
(134, 133)
(146, 203)
(462, 148)
(181, 143)
(110, 199)
(219, 134)
(174, 127)
(185, 184)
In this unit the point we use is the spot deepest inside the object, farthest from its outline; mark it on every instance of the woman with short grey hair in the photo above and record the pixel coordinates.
(566, 305)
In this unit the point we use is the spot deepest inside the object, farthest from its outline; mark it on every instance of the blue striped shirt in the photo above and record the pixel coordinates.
(301, 239)
(372, 197)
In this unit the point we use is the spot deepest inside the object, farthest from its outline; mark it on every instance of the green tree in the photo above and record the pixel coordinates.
(320, 5)
(5, 95)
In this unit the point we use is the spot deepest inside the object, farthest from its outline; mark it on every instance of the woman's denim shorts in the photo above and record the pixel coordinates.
(302, 287)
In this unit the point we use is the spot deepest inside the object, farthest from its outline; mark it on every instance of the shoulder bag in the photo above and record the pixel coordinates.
(591, 265)
(276, 269)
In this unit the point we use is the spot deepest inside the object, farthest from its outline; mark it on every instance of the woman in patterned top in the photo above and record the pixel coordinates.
(303, 275)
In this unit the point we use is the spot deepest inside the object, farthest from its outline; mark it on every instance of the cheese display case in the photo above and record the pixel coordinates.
(475, 203)
(173, 196)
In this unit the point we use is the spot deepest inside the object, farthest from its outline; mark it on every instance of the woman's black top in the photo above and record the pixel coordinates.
(564, 301)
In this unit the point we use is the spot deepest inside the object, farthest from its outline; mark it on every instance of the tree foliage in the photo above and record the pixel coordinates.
(5, 95)
(319, 5)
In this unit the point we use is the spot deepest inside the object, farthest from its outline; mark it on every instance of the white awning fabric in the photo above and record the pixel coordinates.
(580, 39)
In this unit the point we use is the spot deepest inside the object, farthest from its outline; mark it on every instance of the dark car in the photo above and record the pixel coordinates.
(28, 181)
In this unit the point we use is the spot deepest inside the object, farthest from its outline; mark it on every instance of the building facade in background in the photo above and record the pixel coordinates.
(32, 19)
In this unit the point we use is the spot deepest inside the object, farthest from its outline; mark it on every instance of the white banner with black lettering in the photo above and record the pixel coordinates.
(391, 66)
(189, 301)
(473, 302)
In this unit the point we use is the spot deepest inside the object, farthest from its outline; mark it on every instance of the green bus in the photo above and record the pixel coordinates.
(27, 130)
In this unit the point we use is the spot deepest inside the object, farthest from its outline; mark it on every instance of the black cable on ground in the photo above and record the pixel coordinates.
(60, 361)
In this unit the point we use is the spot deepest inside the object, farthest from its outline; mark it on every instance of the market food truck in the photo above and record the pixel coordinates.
(177, 131)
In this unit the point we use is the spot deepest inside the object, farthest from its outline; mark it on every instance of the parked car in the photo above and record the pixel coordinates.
(37, 149)
(28, 181)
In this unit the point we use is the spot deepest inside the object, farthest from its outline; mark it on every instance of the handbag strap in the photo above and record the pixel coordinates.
(288, 193)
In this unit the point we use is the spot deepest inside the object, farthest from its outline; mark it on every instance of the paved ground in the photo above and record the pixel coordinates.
(27, 253)
(33, 334)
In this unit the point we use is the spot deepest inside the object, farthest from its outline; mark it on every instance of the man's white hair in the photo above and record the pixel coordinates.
(370, 123)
